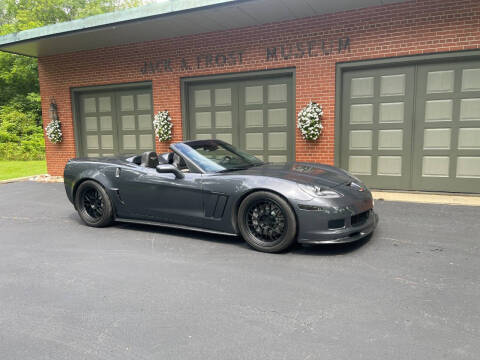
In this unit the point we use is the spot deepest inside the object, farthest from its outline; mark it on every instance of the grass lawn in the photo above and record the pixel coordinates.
(16, 169)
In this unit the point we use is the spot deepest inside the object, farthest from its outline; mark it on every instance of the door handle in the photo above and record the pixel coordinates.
(117, 172)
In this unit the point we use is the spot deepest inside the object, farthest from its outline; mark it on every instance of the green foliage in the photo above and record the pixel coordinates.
(16, 169)
(21, 134)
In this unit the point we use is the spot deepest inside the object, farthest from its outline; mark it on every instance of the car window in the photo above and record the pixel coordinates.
(221, 156)
(216, 156)
(180, 163)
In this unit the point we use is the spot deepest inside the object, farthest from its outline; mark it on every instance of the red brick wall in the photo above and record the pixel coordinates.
(414, 27)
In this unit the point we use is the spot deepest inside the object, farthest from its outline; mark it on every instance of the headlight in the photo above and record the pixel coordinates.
(319, 191)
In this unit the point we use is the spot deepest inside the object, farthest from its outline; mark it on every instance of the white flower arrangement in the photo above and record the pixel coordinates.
(162, 124)
(310, 121)
(54, 131)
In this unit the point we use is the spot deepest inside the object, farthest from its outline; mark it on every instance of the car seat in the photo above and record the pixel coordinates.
(150, 159)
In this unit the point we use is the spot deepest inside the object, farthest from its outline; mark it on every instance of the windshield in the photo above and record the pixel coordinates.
(216, 156)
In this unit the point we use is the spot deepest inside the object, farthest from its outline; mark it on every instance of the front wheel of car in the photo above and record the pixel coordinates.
(267, 222)
(93, 204)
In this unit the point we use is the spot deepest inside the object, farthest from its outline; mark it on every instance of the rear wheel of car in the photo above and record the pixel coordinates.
(93, 204)
(267, 222)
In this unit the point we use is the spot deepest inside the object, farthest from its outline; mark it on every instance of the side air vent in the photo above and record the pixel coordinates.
(215, 205)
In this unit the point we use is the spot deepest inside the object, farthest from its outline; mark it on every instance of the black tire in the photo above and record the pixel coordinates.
(267, 222)
(93, 204)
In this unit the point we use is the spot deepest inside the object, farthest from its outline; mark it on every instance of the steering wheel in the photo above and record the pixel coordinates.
(226, 159)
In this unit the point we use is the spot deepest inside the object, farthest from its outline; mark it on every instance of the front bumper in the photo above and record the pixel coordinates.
(344, 235)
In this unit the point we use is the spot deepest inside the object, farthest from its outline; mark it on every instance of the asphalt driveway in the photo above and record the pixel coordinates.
(68, 291)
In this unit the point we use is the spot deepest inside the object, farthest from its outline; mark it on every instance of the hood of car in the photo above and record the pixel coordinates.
(300, 172)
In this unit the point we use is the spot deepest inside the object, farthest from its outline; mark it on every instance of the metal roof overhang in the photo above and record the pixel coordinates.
(167, 19)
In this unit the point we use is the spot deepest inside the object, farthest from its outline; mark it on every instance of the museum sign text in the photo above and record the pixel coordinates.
(296, 50)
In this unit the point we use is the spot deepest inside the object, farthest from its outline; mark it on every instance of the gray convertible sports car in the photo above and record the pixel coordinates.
(211, 186)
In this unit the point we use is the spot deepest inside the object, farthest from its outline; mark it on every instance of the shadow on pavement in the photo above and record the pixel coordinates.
(331, 249)
(302, 249)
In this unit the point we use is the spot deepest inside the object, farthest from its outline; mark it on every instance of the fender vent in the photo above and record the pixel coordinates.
(215, 205)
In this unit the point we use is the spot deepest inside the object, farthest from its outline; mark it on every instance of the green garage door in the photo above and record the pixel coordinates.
(254, 115)
(118, 122)
(414, 128)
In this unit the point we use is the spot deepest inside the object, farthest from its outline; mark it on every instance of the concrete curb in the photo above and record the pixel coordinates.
(45, 178)
(7, 181)
(424, 198)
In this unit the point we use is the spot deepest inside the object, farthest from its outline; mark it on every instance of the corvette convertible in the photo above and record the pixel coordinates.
(211, 186)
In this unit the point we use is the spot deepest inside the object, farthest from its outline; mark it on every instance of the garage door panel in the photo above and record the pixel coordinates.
(135, 130)
(415, 127)
(116, 122)
(106, 123)
(277, 117)
(96, 124)
(391, 112)
(144, 101)
(391, 139)
(227, 137)
(471, 79)
(255, 115)
(104, 104)
(223, 119)
(362, 87)
(389, 165)
(437, 139)
(470, 109)
(376, 125)
(360, 164)
(277, 93)
(266, 107)
(254, 95)
(91, 123)
(223, 96)
(202, 98)
(447, 127)
(212, 111)
(469, 139)
(361, 114)
(254, 141)
(438, 110)
(203, 120)
(468, 167)
(254, 118)
(89, 104)
(145, 122)
(392, 85)
(440, 81)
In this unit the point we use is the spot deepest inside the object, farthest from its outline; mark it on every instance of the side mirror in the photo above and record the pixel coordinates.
(169, 168)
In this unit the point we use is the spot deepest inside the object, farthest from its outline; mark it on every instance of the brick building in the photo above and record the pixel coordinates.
(399, 82)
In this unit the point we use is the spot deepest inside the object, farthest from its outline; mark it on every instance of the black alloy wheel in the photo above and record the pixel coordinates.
(267, 222)
(93, 204)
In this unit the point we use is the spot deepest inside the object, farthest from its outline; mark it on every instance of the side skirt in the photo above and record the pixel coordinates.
(174, 226)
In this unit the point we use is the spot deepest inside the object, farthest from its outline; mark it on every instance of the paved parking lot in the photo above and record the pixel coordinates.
(68, 291)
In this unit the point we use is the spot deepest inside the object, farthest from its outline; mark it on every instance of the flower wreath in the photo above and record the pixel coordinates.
(310, 121)
(162, 124)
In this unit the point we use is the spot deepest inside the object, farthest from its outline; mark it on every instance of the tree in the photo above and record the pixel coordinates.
(19, 88)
